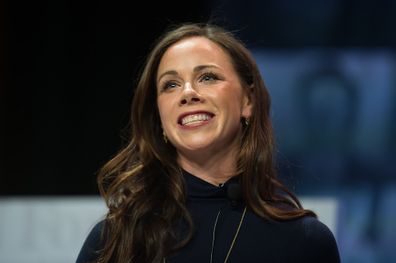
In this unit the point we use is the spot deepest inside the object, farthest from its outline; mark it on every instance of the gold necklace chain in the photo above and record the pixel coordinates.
(214, 236)
(233, 240)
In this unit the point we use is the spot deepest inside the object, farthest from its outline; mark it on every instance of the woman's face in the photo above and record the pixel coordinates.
(200, 98)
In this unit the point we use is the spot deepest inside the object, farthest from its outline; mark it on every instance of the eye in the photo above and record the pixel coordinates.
(169, 85)
(208, 76)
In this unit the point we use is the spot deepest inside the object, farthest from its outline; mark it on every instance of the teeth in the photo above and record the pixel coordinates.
(194, 118)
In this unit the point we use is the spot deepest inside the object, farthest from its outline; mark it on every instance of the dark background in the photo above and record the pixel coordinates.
(69, 73)
(68, 69)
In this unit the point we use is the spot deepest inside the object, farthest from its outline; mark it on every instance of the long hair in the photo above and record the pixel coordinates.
(143, 184)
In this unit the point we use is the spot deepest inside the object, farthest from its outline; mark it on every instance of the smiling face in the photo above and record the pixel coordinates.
(200, 98)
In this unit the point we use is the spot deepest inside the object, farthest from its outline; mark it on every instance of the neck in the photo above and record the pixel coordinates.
(215, 168)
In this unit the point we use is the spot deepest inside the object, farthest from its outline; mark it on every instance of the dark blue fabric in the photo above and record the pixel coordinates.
(259, 240)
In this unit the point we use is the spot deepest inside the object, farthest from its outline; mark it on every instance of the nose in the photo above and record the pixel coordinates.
(189, 95)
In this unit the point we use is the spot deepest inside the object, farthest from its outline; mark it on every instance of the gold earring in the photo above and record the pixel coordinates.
(164, 136)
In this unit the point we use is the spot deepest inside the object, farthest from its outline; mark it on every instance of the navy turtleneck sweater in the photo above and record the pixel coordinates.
(259, 240)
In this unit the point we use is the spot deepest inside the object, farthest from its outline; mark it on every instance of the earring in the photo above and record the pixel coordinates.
(164, 136)
(247, 121)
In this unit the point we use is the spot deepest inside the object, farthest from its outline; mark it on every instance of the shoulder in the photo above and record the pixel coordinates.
(92, 244)
(315, 230)
(318, 240)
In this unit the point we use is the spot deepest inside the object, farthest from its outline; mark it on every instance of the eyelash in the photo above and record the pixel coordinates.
(212, 77)
(166, 85)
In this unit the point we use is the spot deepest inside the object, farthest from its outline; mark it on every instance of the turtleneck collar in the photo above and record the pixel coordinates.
(198, 188)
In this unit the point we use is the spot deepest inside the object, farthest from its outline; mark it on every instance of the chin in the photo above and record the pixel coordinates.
(196, 147)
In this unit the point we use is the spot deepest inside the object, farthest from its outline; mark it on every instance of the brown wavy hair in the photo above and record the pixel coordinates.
(143, 184)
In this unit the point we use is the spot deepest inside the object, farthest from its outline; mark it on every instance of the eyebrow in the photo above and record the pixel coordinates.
(196, 69)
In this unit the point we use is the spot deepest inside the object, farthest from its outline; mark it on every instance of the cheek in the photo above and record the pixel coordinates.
(233, 104)
(164, 111)
(161, 111)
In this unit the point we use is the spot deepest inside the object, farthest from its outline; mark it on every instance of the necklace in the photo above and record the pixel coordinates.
(233, 240)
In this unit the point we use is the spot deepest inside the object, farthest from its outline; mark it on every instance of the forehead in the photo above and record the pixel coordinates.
(196, 49)
(195, 42)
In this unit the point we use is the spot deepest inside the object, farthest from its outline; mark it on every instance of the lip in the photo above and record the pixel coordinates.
(181, 116)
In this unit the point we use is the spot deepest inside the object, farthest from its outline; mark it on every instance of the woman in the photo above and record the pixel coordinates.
(197, 182)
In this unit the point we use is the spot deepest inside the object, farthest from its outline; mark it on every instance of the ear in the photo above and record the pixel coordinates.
(247, 105)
